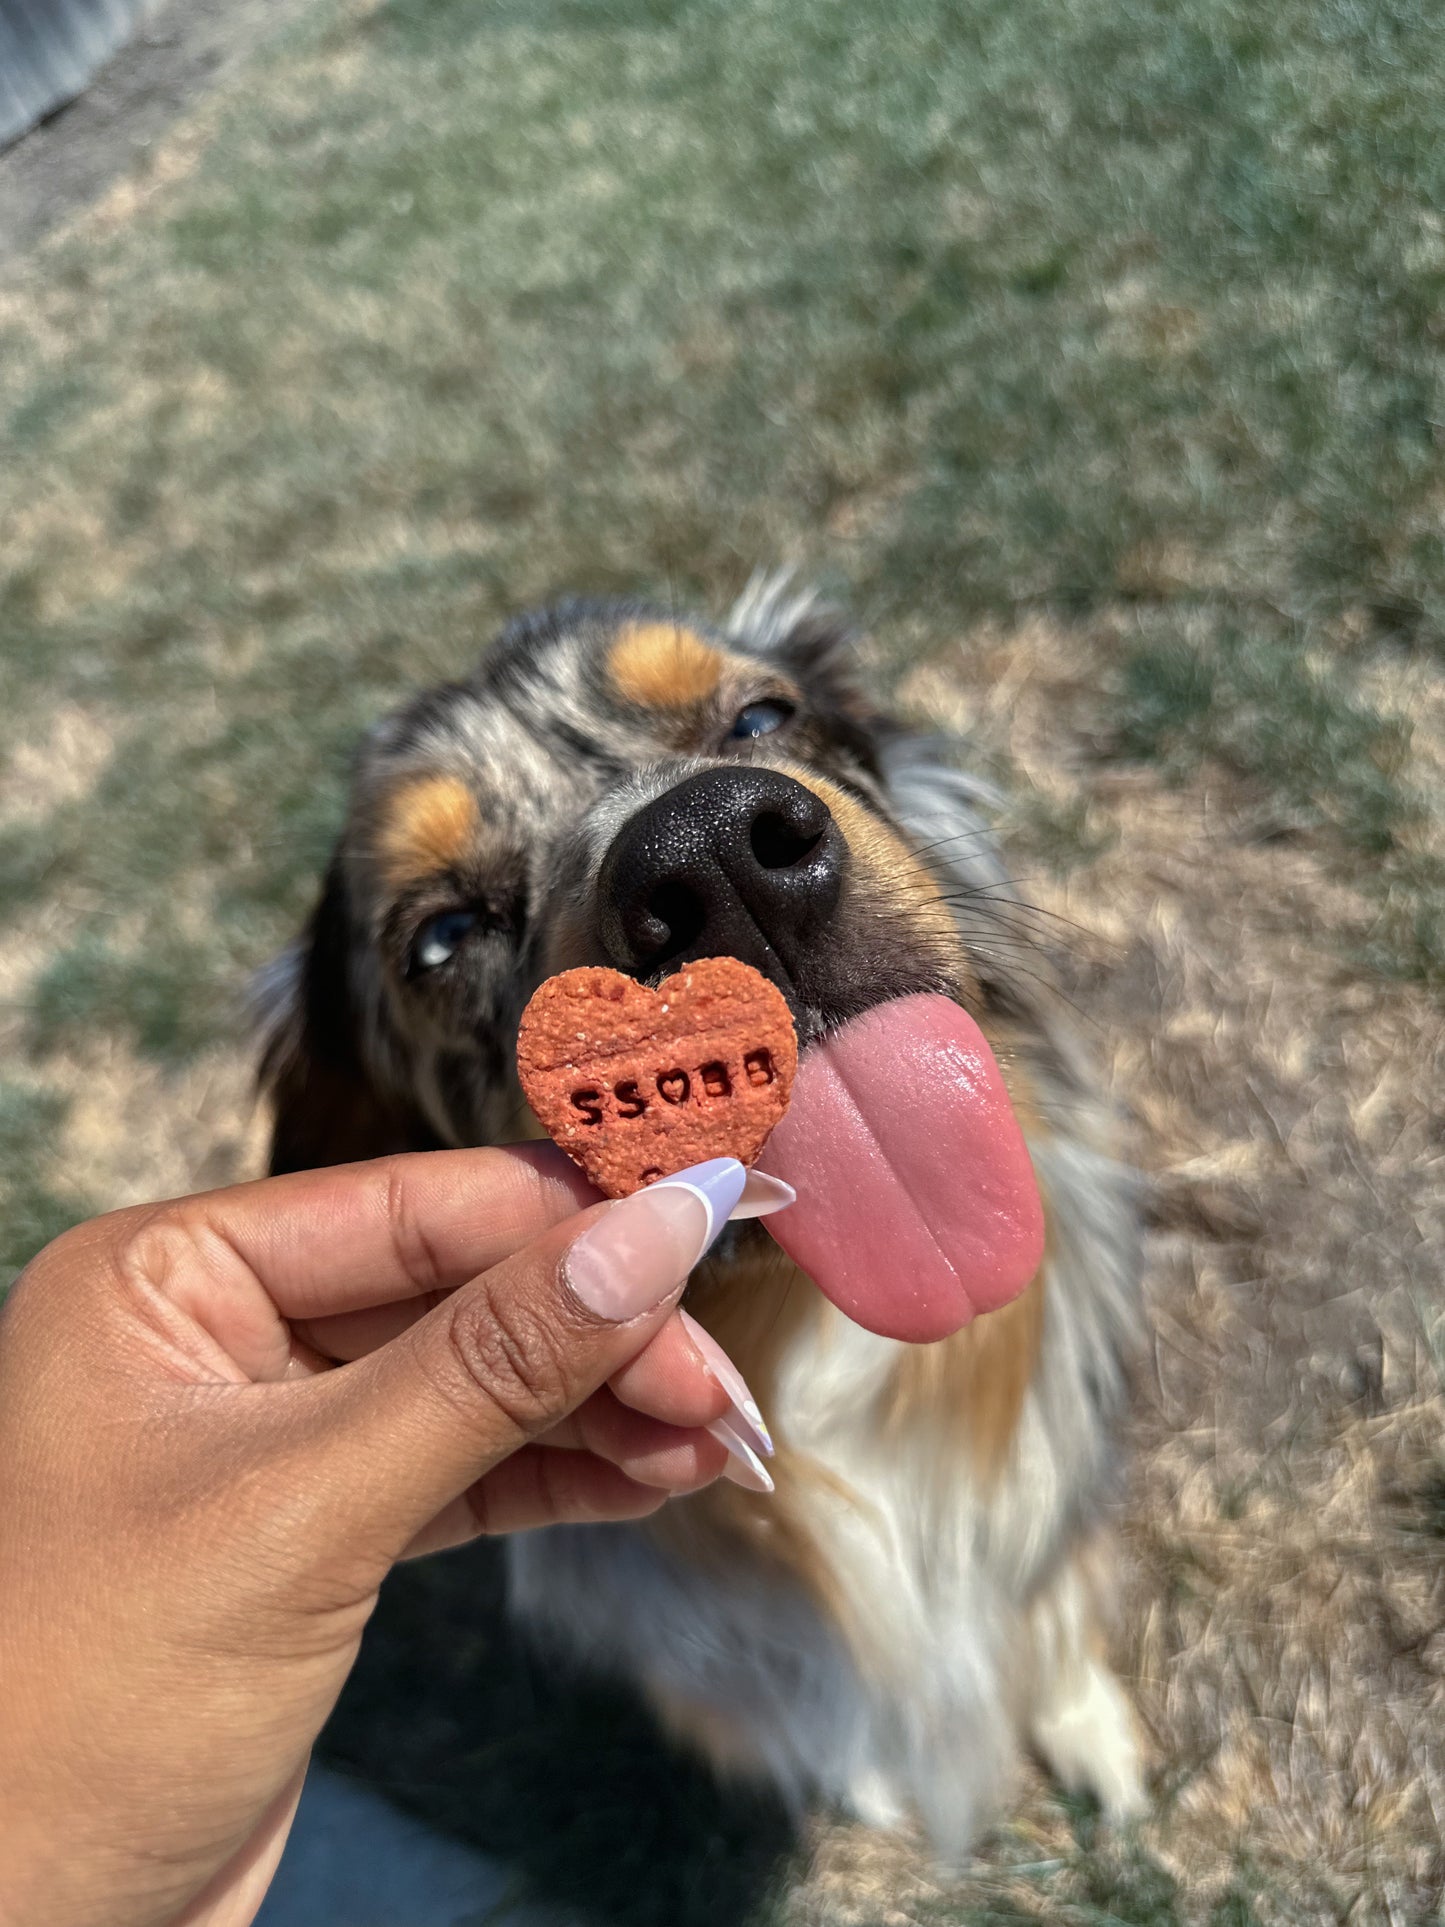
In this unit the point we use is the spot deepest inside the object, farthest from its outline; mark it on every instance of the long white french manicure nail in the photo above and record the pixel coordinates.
(762, 1196)
(744, 1467)
(642, 1247)
(746, 1417)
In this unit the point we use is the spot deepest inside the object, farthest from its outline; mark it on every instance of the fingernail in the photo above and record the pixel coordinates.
(719, 1183)
(641, 1248)
(744, 1467)
(745, 1417)
(762, 1196)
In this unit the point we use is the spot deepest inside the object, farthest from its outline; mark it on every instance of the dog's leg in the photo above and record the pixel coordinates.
(812, 1733)
(875, 1797)
(853, 1757)
(1078, 1716)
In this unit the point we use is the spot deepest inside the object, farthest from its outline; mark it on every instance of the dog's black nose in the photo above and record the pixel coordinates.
(731, 863)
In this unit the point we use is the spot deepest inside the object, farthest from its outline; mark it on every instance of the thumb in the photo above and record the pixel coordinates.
(410, 1427)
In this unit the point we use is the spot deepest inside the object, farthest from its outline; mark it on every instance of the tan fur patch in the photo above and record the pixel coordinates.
(729, 1744)
(894, 875)
(427, 825)
(663, 666)
(973, 1385)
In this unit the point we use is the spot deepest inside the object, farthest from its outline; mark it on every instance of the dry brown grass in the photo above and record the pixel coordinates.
(1283, 1515)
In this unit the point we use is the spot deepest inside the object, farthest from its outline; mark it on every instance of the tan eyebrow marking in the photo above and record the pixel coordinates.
(427, 825)
(663, 666)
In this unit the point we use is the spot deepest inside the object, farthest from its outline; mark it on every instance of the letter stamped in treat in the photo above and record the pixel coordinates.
(636, 1083)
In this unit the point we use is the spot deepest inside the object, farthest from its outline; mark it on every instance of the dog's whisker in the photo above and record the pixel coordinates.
(1027, 906)
(978, 914)
(921, 850)
(1018, 908)
(1048, 988)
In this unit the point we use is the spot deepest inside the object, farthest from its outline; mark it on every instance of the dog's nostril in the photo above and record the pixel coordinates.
(779, 844)
(676, 915)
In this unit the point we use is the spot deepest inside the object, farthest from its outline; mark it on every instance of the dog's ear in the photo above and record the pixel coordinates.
(326, 1108)
(814, 643)
(796, 629)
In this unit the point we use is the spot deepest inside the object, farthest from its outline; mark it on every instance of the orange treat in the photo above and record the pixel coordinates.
(635, 1084)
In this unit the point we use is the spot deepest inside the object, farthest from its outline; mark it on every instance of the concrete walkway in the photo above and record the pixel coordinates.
(48, 51)
(180, 51)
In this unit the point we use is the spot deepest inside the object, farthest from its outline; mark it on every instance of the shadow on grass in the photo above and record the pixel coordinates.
(568, 1780)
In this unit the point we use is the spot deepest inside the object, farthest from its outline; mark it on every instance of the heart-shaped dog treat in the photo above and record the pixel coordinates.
(635, 1084)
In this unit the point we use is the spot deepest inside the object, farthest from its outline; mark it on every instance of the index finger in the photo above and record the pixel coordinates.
(420, 1222)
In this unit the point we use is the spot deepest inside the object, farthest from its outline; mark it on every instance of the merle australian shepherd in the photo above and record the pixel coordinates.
(925, 1591)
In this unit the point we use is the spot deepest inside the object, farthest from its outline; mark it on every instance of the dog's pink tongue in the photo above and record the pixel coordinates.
(917, 1205)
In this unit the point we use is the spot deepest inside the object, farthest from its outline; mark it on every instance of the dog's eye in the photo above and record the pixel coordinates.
(440, 937)
(761, 719)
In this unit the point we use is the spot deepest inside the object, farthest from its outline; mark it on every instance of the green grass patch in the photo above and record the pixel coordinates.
(1296, 727)
(1050, 305)
(1408, 939)
(1106, 309)
(1323, 756)
(34, 1207)
(160, 1004)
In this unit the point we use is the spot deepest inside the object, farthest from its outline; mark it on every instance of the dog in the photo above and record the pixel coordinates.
(925, 1593)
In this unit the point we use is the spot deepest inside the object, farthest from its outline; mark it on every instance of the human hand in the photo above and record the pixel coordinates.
(223, 1420)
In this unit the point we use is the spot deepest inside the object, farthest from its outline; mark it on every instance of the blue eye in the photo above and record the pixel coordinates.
(440, 937)
(761, 719)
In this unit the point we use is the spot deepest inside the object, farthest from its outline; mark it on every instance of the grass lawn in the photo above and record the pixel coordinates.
(1092, 349)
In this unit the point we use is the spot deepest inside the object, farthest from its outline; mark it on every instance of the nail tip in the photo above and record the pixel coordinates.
(749, 1409)
(744, 1467)
(747, 1479)
(762, 1195)
(746, 1416)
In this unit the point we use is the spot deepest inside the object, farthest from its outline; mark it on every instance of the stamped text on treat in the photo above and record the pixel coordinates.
(634, 1082)
(706, 1085)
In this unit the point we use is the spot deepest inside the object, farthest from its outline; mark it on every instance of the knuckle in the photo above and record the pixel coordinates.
(415, 1252)
(509, 1354)
(124, 1258)
(150, 1248)
(98, 1285)
(151, 1254)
